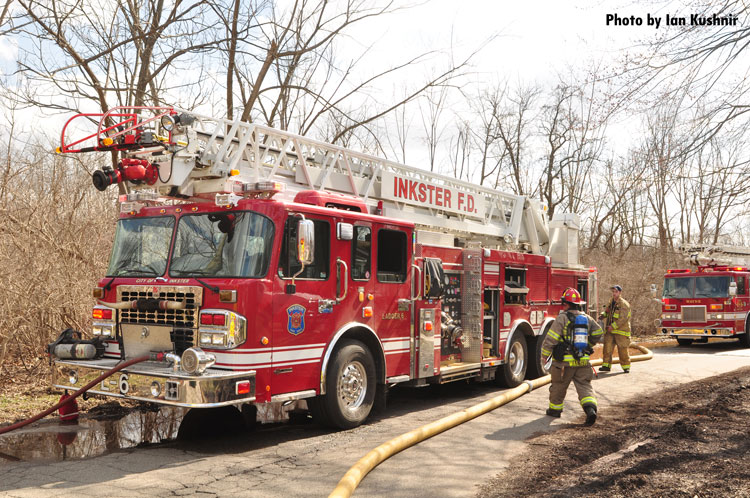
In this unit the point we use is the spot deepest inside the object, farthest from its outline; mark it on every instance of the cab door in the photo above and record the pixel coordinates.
(392, 305)
(303, 307)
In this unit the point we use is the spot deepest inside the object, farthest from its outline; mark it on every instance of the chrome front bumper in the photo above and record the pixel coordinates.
(696, 333)
(141, 381)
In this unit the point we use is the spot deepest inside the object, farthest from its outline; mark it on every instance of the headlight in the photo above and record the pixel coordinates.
(221, 329)
(102, 330)
(196, 361)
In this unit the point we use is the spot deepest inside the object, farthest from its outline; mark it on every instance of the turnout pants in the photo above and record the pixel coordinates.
(561, 377)
(622, 342)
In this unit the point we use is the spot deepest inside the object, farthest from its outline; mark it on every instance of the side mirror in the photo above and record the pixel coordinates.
(653, 290)
(305, 241)
(732, 288)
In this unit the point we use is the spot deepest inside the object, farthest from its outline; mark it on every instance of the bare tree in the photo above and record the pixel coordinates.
(711, 61)
(431, 109)
(486, 108)
(125, 54)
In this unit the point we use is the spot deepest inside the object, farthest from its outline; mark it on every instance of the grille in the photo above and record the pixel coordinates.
(693, 313)
(187, 317)
(182, 339)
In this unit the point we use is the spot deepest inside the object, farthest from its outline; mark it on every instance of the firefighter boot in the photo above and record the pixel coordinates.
(604, 368)
(554, 413)
(590, 414)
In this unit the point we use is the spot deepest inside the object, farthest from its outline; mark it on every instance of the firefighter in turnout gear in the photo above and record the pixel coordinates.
(570, 341)
(616, 317)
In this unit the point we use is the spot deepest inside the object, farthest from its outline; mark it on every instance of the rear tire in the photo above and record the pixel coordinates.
(537, 366)
(512, 372)
(684, 342)
(350, 388)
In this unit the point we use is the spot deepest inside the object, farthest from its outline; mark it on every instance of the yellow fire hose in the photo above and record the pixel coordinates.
(354, 475)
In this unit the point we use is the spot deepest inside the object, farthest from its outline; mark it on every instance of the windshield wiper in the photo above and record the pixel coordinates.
(149, 270)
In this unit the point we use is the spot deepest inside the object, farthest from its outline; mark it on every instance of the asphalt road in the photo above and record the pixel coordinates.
(301, 459)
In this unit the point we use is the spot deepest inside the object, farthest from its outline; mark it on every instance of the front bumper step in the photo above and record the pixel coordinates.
(157, 383)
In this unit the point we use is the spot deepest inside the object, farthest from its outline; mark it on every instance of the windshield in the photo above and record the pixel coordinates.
(682, 287)
(236, 244)
(141, 247)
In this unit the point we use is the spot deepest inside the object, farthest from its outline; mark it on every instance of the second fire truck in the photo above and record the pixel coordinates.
(710, 299)
(266, 267)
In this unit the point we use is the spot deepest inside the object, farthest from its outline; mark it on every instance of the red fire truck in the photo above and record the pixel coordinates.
(710, 300)
(272, 268)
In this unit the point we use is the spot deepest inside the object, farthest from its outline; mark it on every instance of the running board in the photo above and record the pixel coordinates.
(459, 371)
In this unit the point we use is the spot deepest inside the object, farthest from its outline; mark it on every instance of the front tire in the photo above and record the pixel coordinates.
(685, 342)
(512, 372)
(350, 388)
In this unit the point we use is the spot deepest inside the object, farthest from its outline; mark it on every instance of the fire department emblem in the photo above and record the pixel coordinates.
(296, 323)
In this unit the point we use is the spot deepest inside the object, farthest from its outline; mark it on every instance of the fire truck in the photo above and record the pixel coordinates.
(708, 300)
(268, 267)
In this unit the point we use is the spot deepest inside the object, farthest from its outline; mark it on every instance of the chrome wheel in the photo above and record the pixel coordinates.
(517, 359)
(352, 385)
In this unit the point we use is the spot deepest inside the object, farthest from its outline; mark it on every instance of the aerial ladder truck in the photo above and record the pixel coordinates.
(708, 300)
(268, 267)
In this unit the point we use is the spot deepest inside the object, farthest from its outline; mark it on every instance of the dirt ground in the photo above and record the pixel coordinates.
(690, 441)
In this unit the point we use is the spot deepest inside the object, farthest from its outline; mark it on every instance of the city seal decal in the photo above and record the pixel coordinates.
(296, 323)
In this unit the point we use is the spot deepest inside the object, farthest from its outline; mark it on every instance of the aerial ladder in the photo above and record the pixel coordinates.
(715, 255)
(200, 158)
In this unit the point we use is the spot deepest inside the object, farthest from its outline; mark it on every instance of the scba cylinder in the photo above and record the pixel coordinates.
(74, 351)
(581, 332)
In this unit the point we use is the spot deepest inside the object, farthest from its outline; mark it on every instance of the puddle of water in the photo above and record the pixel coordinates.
(56, 441)
(115, 429)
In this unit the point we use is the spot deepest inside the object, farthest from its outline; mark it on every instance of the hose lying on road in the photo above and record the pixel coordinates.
(120, 366)
(354, 475)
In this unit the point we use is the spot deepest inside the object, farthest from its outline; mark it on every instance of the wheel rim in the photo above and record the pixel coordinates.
(516, 359)
(352, 385)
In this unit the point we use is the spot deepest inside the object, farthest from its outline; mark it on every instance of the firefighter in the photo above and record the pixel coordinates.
(570, 353)
(616, 317)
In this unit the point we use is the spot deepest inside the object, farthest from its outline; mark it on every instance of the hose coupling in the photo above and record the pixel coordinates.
(530, 384)
(174, 360)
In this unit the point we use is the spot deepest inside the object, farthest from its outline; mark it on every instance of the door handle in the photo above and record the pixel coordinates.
(341, 262)
(417, 282)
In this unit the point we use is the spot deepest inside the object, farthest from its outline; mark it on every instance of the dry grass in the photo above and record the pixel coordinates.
(55, 238)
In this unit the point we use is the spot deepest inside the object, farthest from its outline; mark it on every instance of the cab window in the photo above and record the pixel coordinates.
(288, 264)
(361, 250)
(742, 285)
(391, 256)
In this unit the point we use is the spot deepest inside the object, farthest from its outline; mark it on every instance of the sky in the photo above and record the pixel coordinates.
(530, 38)
(525, 41)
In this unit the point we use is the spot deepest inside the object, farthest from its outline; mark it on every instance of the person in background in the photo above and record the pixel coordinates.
(570, 353)
(616, 317)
